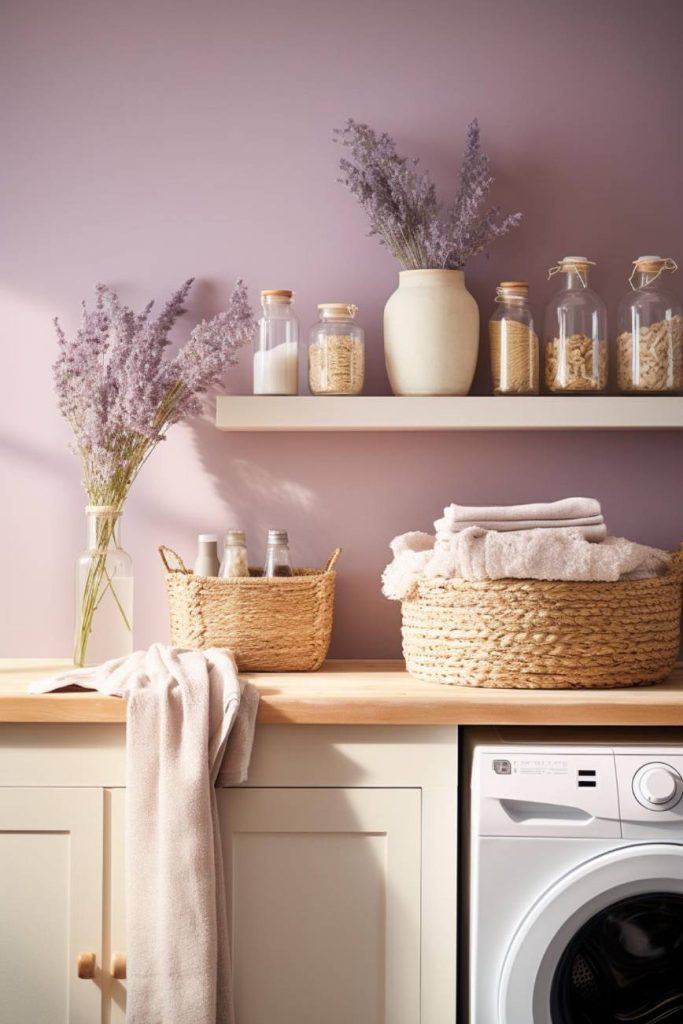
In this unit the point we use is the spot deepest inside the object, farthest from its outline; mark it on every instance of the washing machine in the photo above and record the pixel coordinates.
(575, 884)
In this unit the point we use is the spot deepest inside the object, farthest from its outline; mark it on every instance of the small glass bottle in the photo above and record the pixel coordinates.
(276, 348)
(277, 554)
(514, 342)
(575, 333)
(650, 338)
(336, 351)
(235, 562)
(207, 562)
(104, 591)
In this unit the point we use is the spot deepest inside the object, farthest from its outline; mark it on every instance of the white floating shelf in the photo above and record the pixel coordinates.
(323, 413)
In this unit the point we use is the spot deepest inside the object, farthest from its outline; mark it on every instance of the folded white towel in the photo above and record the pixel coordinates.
(591, 527)
(566, 508)
(182, 707)
(453, 525)
(477, 554)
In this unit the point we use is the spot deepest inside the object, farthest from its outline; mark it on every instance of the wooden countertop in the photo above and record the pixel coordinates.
(367, 693)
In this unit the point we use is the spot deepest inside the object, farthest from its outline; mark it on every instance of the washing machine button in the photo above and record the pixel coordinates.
(657, 786)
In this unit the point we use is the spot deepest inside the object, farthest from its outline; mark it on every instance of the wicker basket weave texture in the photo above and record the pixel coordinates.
(269, 624)
(533, 634)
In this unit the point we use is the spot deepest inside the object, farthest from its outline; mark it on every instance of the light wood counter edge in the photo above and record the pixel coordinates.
(367, 693)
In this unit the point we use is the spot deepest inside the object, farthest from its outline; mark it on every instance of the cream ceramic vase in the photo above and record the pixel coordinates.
(431, 334)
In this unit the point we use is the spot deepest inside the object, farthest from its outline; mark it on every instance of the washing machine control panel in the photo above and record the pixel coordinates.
(629, 791)
(658, 786)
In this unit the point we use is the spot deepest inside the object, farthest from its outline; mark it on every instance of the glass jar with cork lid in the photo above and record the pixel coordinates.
(276, 346)
(336, 351)
(650, 338)
(575, 333)
(513, 341)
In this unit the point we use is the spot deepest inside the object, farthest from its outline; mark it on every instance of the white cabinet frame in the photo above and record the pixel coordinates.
(77, 813)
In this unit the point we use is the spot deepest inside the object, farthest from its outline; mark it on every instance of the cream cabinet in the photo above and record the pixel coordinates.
(340, 857)
(325, 916)
(51, 903)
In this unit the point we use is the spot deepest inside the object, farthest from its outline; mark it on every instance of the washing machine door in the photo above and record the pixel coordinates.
(603, 945)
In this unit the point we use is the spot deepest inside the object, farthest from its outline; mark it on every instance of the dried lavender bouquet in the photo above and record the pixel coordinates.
(120, 393)
(403, 208)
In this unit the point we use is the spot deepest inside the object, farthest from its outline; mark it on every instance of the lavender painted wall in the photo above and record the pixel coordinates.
(144, 142)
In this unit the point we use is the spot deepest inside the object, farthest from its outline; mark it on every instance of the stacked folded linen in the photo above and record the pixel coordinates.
(477, 554)
(583, 514)
(560, 540)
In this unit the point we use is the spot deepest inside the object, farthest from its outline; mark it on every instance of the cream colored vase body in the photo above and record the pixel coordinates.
(431, 334)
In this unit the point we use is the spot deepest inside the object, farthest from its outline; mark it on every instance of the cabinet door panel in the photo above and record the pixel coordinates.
(325, 916)
(50, 904)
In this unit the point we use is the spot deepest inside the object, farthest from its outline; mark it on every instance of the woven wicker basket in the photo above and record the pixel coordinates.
(269, 624)
(532, 634)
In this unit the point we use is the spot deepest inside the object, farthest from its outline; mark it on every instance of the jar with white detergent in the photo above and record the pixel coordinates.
(276, 349)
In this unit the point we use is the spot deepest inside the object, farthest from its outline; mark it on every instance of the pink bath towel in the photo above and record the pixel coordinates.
(182, 708)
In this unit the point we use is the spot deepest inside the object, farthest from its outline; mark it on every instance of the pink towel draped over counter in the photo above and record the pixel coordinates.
(184, 709)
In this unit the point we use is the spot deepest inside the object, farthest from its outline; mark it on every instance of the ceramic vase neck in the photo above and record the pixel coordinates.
(431, 278)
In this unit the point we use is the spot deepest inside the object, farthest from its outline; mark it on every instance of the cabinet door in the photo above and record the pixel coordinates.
(325, 915)
(50, 904)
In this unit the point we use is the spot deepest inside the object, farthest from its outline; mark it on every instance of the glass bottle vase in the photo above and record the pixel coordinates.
(104, 591)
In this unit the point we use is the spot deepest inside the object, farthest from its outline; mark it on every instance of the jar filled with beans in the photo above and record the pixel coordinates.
(575, 349)
(336, 351)
(650, 332)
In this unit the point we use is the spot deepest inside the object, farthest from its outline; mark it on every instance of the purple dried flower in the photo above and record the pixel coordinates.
(211, 349)
(120, 394)
(402, 206)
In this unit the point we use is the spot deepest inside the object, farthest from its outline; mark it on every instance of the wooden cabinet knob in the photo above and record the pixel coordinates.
(118, 966)
(86, 965)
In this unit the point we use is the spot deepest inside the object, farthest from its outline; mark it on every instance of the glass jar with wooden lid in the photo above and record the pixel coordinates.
(650, 332)
(513, 341)
(336, 351)
(276, 346)
(575, 332)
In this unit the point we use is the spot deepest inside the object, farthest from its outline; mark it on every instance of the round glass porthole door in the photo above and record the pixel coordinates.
(625, 964)
(603, 944)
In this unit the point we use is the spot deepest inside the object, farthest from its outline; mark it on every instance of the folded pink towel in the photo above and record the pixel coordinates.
(477, 554)
(566, 508)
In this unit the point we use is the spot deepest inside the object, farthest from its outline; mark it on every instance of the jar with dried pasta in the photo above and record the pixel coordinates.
(336, 351)
(650, 332)
(575, 333)
(513, 341)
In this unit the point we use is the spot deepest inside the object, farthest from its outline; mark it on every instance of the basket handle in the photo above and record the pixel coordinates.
(169, 567)
(332, 560)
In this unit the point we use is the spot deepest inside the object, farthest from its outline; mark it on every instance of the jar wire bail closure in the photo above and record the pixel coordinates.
(662, 264)
(577, 264)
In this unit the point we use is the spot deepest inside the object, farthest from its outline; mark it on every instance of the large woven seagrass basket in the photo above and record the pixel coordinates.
(278, 624)
(544, 635)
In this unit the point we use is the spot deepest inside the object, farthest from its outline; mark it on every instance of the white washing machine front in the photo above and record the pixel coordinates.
(576, 886)
(534, 987)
